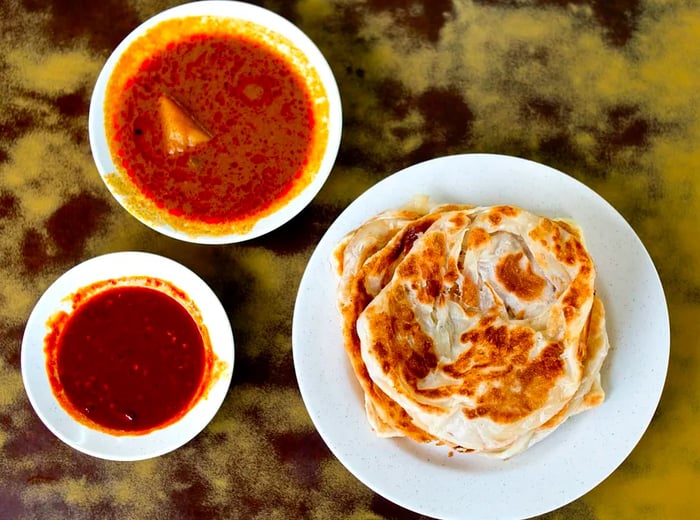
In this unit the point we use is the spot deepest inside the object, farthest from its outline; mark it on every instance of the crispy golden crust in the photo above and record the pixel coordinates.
(389, 234)
(469, 326)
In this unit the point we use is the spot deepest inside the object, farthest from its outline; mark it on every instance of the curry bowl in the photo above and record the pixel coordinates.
(215, 122)
(127, 356)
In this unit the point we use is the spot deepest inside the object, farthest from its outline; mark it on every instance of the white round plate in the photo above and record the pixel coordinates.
(576, 457)
(244, 12)
(57, 298)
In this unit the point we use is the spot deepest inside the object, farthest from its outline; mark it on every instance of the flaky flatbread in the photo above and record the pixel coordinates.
(475, 327)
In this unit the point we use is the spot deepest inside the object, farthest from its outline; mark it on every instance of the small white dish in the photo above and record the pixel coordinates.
(573, 459)
(58, 298)
(301, 52)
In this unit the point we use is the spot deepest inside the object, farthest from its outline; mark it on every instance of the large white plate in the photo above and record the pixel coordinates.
(584, 450)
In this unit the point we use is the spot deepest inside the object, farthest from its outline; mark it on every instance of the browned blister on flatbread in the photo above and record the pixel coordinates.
(474, 327)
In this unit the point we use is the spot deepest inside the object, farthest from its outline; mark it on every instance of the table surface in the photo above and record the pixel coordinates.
(608, 92)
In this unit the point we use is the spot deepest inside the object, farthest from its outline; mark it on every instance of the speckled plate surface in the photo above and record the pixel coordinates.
(584, 450)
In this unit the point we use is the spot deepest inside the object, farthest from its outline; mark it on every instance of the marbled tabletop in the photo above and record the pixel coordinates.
(605, 90)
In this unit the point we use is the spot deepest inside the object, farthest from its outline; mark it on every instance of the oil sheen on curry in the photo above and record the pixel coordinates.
(131, 357)
(214, 124)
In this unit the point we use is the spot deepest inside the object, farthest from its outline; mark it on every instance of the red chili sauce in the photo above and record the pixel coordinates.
(252, 104)
(127, 359)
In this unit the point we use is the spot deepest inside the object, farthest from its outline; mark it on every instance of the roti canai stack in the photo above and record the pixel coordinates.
(474, 327)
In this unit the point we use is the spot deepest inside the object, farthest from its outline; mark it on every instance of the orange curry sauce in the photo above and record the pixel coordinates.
(129, 358)
(256, 118)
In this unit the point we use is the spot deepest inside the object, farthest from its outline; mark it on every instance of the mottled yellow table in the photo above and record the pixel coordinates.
(607, 91)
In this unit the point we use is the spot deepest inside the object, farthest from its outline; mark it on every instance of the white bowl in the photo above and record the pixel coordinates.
(275, 32)
(57, 298)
